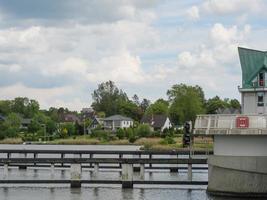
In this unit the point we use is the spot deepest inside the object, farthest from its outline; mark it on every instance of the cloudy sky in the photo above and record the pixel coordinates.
(57, 51)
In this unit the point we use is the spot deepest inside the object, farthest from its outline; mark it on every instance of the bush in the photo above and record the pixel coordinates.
(155, 134)
(143, 130)
(128, 132)
(101, 135)
(120, 133)
(168, 140)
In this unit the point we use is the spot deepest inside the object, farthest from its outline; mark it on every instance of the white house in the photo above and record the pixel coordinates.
(117, 121)
(157, 122)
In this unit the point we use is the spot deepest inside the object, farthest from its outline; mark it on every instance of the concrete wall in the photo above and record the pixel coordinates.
(240, 145)
(241, 175)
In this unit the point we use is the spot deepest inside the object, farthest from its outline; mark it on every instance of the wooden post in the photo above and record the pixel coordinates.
(150, 157)
(174, 167)
(34, 156)
(91, 156)
(142, 171)
(5, 171)
(120, 157)
(189, 172)
(127, 175)
(136, 167)
(96, 169)
(62, 156)
(52, 170)
(75, 174)
(23, 165)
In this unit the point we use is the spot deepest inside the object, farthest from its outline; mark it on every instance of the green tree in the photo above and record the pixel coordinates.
(159, 107)
(186, 102)
(215, 103)
(144, 104)
(5, 107)
(107, 98)
(234, 103)
(10, 127)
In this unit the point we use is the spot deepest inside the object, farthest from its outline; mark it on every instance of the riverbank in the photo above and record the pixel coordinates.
(150, 143)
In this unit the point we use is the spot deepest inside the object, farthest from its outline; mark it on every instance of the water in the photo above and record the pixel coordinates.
(98, 192)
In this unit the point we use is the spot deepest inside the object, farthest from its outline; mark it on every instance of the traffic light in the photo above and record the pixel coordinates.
(187, 134)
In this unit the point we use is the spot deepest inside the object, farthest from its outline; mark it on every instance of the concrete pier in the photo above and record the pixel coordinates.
(238, 175)
(127, 175)
(75, 173)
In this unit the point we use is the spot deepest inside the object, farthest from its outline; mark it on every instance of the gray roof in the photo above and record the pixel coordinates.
(156, 121)
(117, 118)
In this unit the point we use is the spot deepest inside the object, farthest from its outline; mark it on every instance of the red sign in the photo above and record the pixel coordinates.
(242, 122)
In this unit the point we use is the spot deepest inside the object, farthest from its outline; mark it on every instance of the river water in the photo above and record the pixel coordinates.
(98, 192)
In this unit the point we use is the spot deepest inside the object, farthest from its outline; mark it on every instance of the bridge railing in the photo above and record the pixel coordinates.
(81, 159)
(228, 124)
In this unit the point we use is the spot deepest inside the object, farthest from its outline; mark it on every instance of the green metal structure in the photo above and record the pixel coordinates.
(252, 63)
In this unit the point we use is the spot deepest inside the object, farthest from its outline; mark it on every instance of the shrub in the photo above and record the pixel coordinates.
(128, 132)
(167, 140)
(120, 133)
(143, 130)
(155, 134)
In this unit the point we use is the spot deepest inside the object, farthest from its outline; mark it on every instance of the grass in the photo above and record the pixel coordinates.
(80, 140)
(11, 141)
(153, 143)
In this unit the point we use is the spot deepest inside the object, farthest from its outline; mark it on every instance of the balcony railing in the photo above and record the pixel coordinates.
(231, 124)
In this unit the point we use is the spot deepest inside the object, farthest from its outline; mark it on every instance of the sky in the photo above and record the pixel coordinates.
(58, 51)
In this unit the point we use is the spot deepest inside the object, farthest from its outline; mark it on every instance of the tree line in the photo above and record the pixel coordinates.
(183, 103)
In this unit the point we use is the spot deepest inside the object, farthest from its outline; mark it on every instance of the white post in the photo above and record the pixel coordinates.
(75, 173)
(127, 175)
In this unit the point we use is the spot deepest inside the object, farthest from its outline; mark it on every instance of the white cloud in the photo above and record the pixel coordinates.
(232, 6)
(49, 97)
(209, 64)
(193, 13)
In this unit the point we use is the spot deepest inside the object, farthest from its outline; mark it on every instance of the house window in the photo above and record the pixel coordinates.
(261, 79)
(260, 99)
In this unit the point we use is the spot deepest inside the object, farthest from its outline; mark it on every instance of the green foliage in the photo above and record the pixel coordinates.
(214, 104)
(159, 107)
(168, 140)
(10, 127)
(186, 102)
(120, 133)
(102, 135)
(143, 130)
(111, 100)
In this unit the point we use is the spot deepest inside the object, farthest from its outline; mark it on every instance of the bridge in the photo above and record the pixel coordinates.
(126, 162)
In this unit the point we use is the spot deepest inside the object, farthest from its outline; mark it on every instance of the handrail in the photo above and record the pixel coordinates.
(101, 152)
